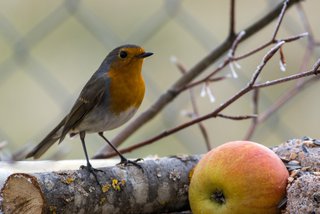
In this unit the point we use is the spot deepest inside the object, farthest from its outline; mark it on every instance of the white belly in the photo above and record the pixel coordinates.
(100, 121)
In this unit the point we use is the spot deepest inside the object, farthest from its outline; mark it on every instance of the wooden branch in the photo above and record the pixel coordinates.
(162, 185)
(161, 188)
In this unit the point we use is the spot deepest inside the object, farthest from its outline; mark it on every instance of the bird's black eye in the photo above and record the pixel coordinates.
(123, 54)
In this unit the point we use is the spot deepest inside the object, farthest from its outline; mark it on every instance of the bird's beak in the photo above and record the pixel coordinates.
(144, 55)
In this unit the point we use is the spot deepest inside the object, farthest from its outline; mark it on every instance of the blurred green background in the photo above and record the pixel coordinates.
(49, 49)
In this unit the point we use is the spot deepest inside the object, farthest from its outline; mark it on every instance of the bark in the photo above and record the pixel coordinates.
(302, 158)
(159, 187)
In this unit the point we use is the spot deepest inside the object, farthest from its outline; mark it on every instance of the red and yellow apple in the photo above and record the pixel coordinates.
(238, 177)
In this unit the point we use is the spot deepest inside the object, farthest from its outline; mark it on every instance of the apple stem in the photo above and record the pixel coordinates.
(218, 196)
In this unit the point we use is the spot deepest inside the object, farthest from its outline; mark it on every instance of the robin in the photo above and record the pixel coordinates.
(109, 99)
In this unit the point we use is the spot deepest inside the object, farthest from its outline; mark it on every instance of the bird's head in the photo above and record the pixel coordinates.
(126, 57)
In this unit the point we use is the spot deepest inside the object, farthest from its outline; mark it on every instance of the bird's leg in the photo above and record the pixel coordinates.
(123, 160)
(89, 166)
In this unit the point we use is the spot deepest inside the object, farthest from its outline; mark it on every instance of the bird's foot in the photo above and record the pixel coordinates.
(124, 161)
(90, 168)
(92, 171)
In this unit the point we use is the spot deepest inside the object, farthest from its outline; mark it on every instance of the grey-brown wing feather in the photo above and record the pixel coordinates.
(90, 97)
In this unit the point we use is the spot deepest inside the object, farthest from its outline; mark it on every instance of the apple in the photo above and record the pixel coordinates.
(238, 177)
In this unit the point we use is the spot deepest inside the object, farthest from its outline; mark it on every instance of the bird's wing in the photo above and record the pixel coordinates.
(90, 96)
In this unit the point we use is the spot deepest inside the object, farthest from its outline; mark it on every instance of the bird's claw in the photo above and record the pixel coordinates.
(93, 171)
(125, 162)
(90, 169)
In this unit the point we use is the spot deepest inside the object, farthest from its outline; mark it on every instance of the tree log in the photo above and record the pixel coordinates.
(160, 188)
(161, 185)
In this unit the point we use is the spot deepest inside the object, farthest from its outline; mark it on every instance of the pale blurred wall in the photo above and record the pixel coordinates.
(49, 49)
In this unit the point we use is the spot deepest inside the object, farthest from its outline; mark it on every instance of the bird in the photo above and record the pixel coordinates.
(108, 100)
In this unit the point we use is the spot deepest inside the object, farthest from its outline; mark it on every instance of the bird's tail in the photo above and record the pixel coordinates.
(47, 142)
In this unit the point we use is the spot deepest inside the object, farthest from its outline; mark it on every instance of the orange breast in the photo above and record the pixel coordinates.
(127, 88)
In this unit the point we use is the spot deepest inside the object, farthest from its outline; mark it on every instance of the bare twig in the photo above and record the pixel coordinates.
(254, 123)
(236, 43)
(232, 30)
(283, 100)
(301, 82)
(227, 61)
(305, 21)
(195, 107)
(243, 117)
(216, 79)
(263, 46)
(284, 8)
(175, 89)
(231, 58)
(265, 59)
(286, 79)
(316, 66)
(208, 77)
(289, 94)
(273, 39)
